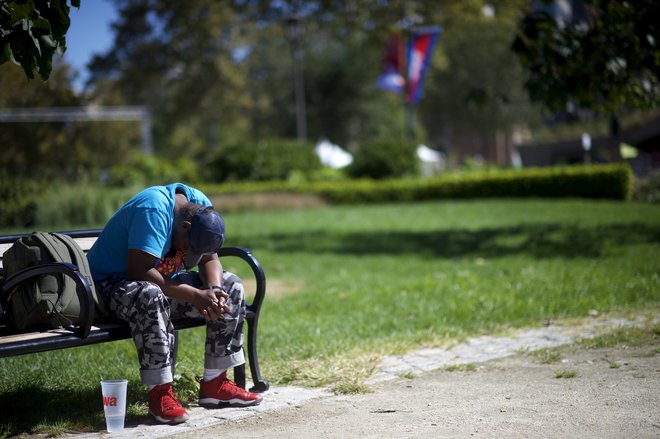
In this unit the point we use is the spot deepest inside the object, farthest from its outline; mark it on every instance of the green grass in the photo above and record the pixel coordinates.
(626, 337)
(547, 355)
(349, 285)
(566, 374)
(408, 375)
(461, 368)
(631, 337)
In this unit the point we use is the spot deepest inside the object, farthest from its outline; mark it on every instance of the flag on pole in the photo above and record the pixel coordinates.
(394, 67)
(405, 65)
(420, 48)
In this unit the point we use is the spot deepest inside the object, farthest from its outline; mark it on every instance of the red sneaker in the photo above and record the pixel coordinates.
(164, 406)
(222, 392)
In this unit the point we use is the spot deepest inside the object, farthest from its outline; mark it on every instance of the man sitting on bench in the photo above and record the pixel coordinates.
(138, 266)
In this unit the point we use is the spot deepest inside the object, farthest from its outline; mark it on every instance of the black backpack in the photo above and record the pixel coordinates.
(50, 301)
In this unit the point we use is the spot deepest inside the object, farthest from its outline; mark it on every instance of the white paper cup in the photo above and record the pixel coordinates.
(114, 403)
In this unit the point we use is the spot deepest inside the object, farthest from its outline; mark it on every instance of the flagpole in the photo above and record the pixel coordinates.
(410, 121)
(407, 108)
(408, 104)
(407, 25)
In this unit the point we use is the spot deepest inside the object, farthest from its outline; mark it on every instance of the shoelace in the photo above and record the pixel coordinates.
(237, 389)
(230, 383)
(168, 400)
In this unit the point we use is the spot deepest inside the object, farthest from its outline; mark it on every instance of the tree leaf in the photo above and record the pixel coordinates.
(5, 55)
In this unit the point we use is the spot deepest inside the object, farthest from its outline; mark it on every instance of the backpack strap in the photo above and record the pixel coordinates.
(79, 258)
(59, 255)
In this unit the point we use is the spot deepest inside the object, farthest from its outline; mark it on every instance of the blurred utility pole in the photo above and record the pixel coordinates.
(294, 32)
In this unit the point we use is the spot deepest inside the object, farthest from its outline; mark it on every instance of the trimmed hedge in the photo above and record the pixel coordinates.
(613, 181)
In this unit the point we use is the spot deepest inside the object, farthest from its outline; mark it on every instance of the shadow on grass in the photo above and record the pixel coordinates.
(535, 240)
(33, 409)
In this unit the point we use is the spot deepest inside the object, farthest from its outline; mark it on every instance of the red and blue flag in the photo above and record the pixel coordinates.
(420, 48)
(394, 69)
(405, 65)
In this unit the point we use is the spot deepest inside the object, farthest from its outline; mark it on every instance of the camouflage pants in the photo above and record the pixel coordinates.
(150, 314)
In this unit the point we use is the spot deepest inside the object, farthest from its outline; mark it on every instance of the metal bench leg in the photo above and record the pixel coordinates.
(239, 375)
(260, 384)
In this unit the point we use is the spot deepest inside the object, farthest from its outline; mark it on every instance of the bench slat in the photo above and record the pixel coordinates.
(48, 340)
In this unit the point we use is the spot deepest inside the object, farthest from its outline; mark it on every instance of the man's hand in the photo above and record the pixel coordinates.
(211, 303)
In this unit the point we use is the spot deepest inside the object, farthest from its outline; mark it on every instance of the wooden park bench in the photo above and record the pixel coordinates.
(90, 331)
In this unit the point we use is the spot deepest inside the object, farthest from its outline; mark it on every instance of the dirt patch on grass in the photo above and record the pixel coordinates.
(265, 201)
(275, 287)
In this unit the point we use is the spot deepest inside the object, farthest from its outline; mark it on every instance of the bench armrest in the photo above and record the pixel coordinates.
(83, 289)
(257, 270)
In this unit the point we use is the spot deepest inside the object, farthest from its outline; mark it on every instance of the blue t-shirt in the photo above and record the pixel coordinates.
(143, 223)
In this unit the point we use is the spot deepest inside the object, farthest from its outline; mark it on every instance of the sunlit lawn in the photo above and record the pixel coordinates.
(349, 285)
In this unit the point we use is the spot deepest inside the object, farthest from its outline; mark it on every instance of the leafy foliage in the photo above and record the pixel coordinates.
(32, 31)
(382, 159)
(176, 58)
(273, 159)
(609, 60)
(17, 195)
(648, 188)
(213, 72)
(475, 88)
(343, 105)
(151, 170)
(58, 151)
(73, 206)
(216, 74)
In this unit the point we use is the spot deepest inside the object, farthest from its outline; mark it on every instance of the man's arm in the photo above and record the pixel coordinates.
(210, 270)
(141, 267)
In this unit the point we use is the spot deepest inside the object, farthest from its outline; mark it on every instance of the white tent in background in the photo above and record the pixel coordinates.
(332, 155)
(432, 161)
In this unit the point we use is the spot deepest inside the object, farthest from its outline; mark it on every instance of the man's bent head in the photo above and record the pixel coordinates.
(206, 232)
